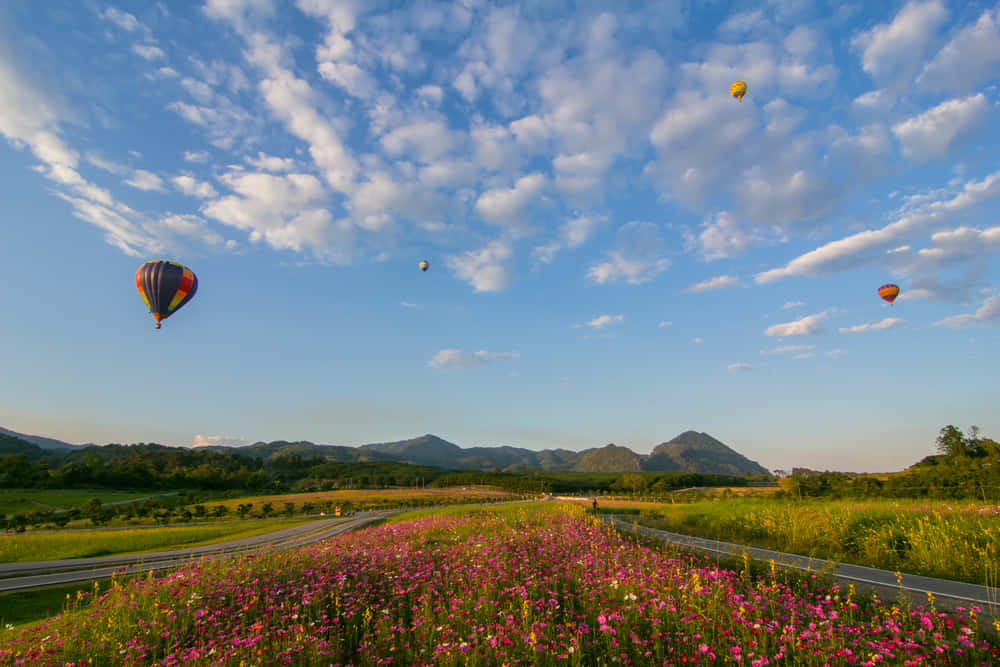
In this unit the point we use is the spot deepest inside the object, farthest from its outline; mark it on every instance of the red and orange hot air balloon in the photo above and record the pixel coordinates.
(889, 292)
(165, 287)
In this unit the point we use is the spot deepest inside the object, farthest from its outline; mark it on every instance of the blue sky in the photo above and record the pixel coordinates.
(619, 250)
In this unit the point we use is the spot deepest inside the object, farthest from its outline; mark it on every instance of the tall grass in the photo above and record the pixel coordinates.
(958, 541)
(26, 547)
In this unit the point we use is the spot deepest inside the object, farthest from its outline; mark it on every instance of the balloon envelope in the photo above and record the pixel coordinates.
(889, 292)
(165, 287)
(424, 266)
(738, 89)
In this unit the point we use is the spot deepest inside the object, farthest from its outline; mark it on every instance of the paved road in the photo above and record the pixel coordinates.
(19, 576)
(947, 594)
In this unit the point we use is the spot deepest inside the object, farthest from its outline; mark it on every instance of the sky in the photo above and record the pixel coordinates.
(619, 250)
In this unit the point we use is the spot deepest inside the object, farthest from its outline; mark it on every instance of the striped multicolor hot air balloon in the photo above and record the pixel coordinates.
(165, 287)
(889, 292)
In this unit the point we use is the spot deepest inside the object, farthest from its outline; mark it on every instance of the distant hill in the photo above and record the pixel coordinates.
(10, 444)
(610, 458)
(700, 452)
(688, 452)
(44, 443)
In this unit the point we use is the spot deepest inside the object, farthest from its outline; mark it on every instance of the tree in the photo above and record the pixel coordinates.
(92, 510)
(951, 442)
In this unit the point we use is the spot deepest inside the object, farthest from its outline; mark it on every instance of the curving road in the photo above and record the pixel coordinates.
(947, 594)
(20, 576)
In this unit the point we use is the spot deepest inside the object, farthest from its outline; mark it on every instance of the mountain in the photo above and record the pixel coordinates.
(10, 444)
(610, 458)
(427, 450)
(700, 452)
(44, 443)
(688, 452)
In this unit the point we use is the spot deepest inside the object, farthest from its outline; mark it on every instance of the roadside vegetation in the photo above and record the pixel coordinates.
(520, 584)
(950, 540)
(59, 545)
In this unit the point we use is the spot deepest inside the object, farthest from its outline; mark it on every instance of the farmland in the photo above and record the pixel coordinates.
(951, 540)
(519, 584)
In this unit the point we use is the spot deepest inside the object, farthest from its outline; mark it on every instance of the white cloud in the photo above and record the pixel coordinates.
(697, 341)
(788, 305)
(224, 122)
(196, 156)
(286, 211)
(145, 180)
(453, 357)
(148, 51)
(413, 306)
(193, 187)
(664, 324)
(788, 349)
(271, 163)
(123, 20)
(504, 205)
(294, 102)
(806, 326)
(887, 323)
(987, 313)
(637, 257)
(572, 234)
(740, 367)
(190, 226)
(892, 52)
(931, 134)
(970, 58)
(723, 236)
(837, 353)
(351, 78)
(718, 282)
(427, 141)
(860, 248)
(604, 320)
(219, 441)
(951, 247)
(487, 269)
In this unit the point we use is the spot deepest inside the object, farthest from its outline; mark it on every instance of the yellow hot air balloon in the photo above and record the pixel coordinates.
(738, 90)
(424, 265)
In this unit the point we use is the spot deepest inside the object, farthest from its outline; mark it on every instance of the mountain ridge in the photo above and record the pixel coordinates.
(690, 451)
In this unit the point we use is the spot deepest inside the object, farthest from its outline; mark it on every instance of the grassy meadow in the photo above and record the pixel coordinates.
(58, 545)
(15, 501)
(519, 584)
(951, 540)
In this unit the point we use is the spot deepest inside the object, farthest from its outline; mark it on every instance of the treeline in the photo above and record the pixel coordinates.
(156, 467)
(965, 467)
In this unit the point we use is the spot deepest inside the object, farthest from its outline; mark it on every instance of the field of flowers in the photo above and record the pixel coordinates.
(529, 585)
(951, 540)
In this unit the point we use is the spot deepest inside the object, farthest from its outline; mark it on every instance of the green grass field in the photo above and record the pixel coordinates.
(14, 501)
(58, 545)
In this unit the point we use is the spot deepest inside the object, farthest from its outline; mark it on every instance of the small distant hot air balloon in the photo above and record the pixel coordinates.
(424, 265)
(738, 89)
(889, 292)
(165, 287)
